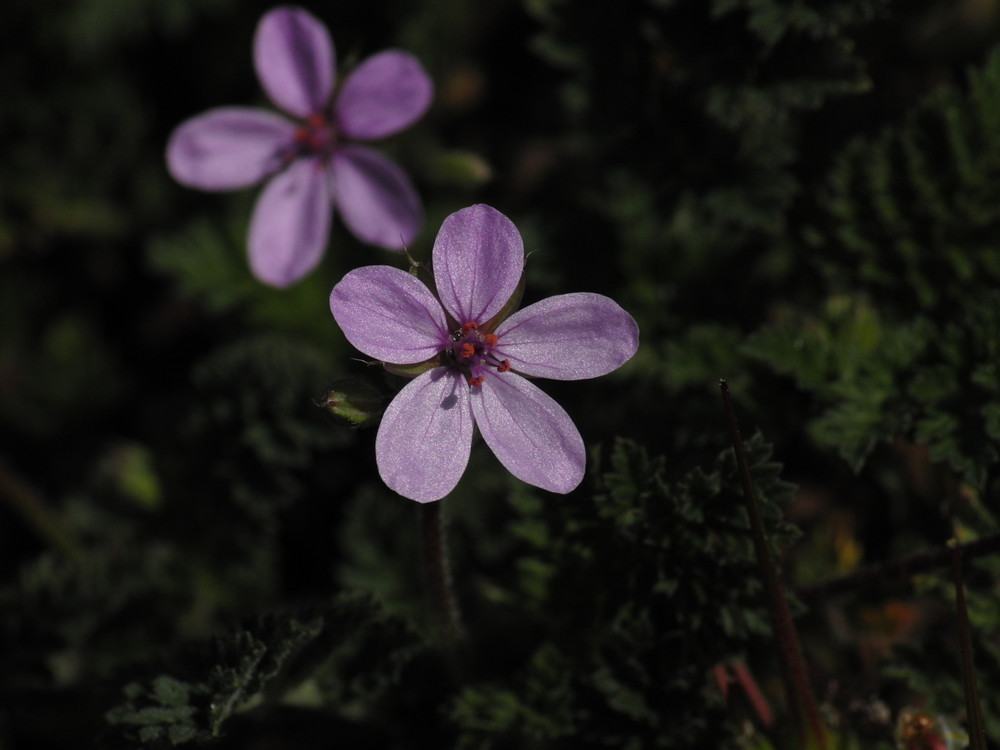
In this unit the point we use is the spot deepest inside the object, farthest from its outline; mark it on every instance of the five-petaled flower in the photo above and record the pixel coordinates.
(313, 163)
(477, 359)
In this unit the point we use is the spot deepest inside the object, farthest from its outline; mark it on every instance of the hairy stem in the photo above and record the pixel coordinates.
(438, 572)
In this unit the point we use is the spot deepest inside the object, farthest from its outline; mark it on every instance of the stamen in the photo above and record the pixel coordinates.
(490, 339)
(503, 366)
(470, 326)
(468, 350)
(476, 382)
(315, 134)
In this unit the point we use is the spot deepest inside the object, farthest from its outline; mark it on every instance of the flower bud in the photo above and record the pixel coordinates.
(354, 403)
(458, 168)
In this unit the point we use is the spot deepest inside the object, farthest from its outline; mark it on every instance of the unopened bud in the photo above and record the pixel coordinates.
(354, 403)
(129, 470)
(458, 168)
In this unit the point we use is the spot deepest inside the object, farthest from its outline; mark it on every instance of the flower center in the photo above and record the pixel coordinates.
(470, 352)
(314, 137)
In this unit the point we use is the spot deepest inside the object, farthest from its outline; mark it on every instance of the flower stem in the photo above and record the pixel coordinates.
(438, 572)
(977, 734)
(800, 696)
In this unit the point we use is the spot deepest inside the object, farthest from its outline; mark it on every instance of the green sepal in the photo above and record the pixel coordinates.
(415, 266)
(411, 371)
(354, 402)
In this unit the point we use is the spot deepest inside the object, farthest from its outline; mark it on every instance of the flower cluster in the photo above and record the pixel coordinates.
(477, 362)
(471, 354)
(313, 162)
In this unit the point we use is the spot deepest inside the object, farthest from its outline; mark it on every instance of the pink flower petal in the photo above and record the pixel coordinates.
(389, 314)
(294, 58)
(228, 148)
(376, 199)
(532, 435)
(478, 261)
(386, 93)
(290, 224)
(423, 443)
(568, 337)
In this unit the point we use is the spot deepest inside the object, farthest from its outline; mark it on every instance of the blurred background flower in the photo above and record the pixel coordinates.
(311, 166)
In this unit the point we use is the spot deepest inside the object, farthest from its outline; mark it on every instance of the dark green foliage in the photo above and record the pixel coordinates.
(643, 590)
(534, 711)
(367, 636)
(346, 655)
(81, 609)
(91, 24)
(799, 197)
(703, 142)
(64, 372)
(914, 222)
(931, 672)
(915, 210)
(773, 21)
(260, 394)
(853, 363)
(208, 263)
(686, 185)
(161, 713)
(934, 383)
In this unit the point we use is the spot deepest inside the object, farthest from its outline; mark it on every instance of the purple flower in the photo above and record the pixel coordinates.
(476, 359)
(313, 163)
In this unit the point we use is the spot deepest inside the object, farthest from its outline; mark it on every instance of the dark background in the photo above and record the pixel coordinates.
(806, 202)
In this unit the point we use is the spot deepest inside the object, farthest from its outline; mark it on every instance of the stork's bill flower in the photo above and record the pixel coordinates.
(311, 161)
(474, 359)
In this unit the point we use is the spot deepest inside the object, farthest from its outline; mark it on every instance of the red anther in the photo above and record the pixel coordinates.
(490, 339)
(470, 326)
(476, 382)
(302, 134)
(316, 120)
(503, 366)
(468, 350)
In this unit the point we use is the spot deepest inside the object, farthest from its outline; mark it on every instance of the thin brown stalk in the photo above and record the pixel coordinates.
(977, 733)
(793, 664)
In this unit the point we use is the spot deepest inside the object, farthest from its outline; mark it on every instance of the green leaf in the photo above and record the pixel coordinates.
(914, 210)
